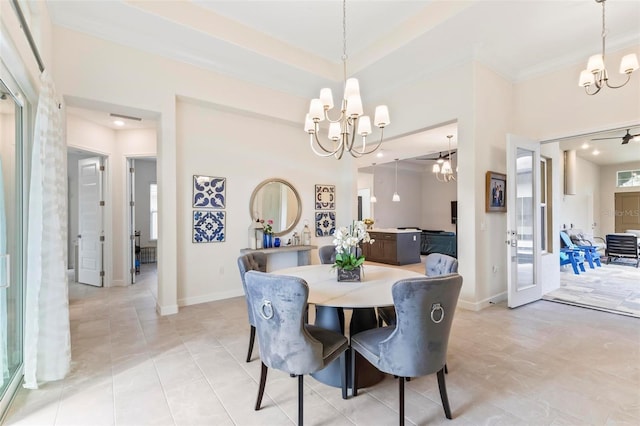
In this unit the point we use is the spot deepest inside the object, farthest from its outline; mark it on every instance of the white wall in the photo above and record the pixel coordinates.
(581, 210)
(407, 212)
(436, 203)
(245, 150)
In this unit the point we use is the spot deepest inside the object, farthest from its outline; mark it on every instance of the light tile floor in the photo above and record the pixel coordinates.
(541, 364)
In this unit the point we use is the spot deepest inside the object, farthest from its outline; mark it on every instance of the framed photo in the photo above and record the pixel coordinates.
(496, 192)
(209, 192)
(325, 197)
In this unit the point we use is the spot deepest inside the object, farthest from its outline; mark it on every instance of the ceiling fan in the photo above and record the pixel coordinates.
(625, 139)
(440, 158)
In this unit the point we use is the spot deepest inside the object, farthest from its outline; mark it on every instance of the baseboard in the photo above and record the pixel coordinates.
(210, 297)
(166, 310)
(477, 306)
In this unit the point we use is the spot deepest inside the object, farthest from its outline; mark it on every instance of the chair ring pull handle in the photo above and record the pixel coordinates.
(434, 308)
(266, 310)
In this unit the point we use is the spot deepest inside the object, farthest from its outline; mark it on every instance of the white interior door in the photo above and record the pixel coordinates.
(90, 228)
(523, 221)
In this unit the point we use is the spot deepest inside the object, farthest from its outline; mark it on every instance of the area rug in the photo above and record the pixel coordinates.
(612, 288)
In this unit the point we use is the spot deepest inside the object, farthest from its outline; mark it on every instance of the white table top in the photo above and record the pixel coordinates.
(374, 289)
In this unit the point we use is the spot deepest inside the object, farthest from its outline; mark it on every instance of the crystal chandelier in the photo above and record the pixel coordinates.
(596, 73)
(342, 130)
(443, 168)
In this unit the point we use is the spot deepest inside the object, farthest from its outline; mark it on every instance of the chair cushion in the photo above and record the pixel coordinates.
(333, 343)
(367, 343)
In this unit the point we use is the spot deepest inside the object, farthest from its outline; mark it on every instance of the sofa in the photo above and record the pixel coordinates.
(432, 241)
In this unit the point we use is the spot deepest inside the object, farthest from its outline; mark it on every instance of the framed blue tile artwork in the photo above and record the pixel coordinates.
(325, 224)
(325, 197)
(209, 192)
(208, 226)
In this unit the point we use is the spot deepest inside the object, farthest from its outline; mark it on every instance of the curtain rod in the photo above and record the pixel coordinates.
(27, 32)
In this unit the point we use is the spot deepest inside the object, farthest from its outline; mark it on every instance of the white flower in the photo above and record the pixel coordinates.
(347, 239)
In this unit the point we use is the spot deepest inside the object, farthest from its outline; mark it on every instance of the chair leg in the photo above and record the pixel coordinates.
(252, 338)
(446, 370)
(300, 394)
(443, 394)
(263, 381)
(354, 380)
(401, 397)
(343, 374)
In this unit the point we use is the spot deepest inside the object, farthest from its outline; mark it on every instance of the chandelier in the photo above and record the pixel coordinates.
(342, 130)
(443, 168)
(596, 73)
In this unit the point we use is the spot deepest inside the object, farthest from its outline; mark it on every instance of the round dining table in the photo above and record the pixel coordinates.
(331, 296)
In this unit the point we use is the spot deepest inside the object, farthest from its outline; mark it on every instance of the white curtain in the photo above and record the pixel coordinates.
(47, 333)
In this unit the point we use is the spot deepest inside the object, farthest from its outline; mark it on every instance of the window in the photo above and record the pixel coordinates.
(545, 200)
(153, 211)
(628, 178)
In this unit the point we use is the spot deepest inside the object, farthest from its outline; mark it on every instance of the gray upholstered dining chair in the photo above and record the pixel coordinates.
(435, 264)
(417, 345)
(286, 342)
(327, 254)
(256, 261)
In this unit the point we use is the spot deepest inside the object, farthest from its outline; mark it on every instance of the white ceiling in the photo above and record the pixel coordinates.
(296, 46)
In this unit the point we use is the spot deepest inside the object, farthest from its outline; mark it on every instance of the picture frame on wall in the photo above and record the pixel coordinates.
(209, 192)
(325, 197)
(496, 192)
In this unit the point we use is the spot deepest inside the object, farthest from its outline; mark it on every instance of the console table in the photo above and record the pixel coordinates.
(304, 252)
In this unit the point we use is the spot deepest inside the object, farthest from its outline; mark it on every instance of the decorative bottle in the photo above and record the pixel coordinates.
(306, 234)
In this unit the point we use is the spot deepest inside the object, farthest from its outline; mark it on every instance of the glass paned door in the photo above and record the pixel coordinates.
(11, 245)
(523, 221)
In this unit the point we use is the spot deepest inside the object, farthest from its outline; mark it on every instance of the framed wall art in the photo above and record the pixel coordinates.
(325, 224)
(208, 226)
(325, 197)
(209, 192)
(496, 192)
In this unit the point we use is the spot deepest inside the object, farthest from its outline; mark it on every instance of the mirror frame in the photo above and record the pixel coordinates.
(290, 186)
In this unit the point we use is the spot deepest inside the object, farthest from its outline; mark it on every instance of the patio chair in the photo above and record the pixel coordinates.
(573, 257)
(590, 252)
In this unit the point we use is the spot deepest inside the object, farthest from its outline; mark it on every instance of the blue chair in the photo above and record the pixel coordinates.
(417, 345)
(279, 303)
(590, 252)
(573, 257)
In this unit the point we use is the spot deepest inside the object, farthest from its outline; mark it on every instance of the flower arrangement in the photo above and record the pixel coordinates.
(268, 226)
(347, 241)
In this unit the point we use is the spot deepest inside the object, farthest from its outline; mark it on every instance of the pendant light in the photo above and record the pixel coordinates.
(373, 196)
(396, 197)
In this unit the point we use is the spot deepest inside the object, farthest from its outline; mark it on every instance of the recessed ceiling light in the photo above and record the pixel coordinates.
(595, 152)
(118, 123)
(585, 145)
(380, 154)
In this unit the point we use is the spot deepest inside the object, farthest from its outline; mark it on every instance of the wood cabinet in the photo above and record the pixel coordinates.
(394, 248)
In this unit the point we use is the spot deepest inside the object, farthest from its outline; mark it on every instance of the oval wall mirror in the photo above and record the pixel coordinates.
(278, 200)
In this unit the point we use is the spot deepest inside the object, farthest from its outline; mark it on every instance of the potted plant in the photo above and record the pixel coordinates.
(349, 258)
